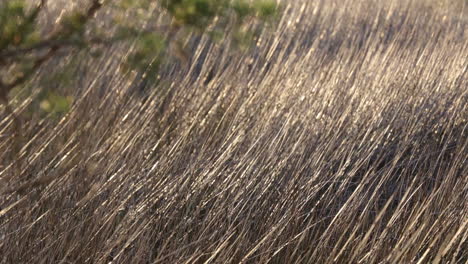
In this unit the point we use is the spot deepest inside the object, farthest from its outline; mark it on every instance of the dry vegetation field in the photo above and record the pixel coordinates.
(340, 138)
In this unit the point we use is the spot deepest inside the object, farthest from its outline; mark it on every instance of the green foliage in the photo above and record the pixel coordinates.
(201, 13)
(265, 9)
(243, 39)
(211, 17)
(16, 26)
(51, 99)
(74, 23)
(242, 8)
(148, 55)
(24, 46)
(54, 103)
(195, 13)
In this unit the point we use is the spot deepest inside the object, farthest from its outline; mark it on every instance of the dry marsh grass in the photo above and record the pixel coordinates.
(340, 138)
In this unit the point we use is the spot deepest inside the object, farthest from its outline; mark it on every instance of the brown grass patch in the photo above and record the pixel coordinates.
(340, 138)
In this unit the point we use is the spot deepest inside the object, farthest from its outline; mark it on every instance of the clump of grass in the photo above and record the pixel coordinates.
(341, 138)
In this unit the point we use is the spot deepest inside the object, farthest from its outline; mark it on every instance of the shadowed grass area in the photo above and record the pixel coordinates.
(340, 138)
